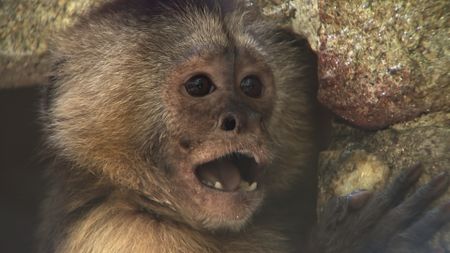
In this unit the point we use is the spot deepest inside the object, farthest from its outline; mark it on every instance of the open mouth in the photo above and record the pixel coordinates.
(232, 172)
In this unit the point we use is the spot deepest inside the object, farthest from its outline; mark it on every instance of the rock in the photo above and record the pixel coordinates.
(358, 159)
(25, 28)
(384, 62)
(307, 21)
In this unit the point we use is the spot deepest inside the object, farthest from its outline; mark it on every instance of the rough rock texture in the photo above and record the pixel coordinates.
(358, 159)
(25, 27)
(384, 62)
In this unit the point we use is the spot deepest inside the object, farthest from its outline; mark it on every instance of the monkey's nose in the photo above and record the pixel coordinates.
(229, 122)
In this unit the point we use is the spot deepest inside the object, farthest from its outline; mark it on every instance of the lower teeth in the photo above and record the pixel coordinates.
(253, 186)
(245, 186)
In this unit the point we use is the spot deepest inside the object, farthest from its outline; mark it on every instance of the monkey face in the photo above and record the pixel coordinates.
(200, 111)
(220, 103)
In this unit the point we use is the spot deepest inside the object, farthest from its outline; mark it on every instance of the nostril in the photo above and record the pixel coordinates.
(229, 123)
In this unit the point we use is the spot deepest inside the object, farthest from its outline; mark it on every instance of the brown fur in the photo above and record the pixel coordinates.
(116, 120)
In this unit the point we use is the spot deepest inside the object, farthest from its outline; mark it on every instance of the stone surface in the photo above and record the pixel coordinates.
(25, 27)
(306, 20)
(358, 159)
(383, 62)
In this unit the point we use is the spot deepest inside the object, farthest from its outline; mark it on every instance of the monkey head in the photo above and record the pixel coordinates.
(202, 110)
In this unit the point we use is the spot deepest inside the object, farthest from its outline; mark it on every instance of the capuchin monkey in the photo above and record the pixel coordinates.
(188, 126)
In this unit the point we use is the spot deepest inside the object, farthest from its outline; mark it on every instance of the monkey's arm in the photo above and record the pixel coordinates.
(386, 223)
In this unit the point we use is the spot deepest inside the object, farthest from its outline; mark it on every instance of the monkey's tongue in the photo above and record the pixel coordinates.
(221, 174)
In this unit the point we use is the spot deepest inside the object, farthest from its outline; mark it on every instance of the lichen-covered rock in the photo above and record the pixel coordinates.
(25, 27)
(358, 159)
(383, 62)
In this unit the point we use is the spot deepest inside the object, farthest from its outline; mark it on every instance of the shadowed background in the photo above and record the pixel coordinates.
(21, 184)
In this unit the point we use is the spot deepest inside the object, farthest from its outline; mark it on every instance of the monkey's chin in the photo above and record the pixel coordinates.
(219, 210)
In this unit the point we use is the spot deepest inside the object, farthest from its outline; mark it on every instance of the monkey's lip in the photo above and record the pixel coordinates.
(232, 172)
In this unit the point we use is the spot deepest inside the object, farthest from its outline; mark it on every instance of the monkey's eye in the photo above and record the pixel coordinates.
(199, 86)
(251, 86)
